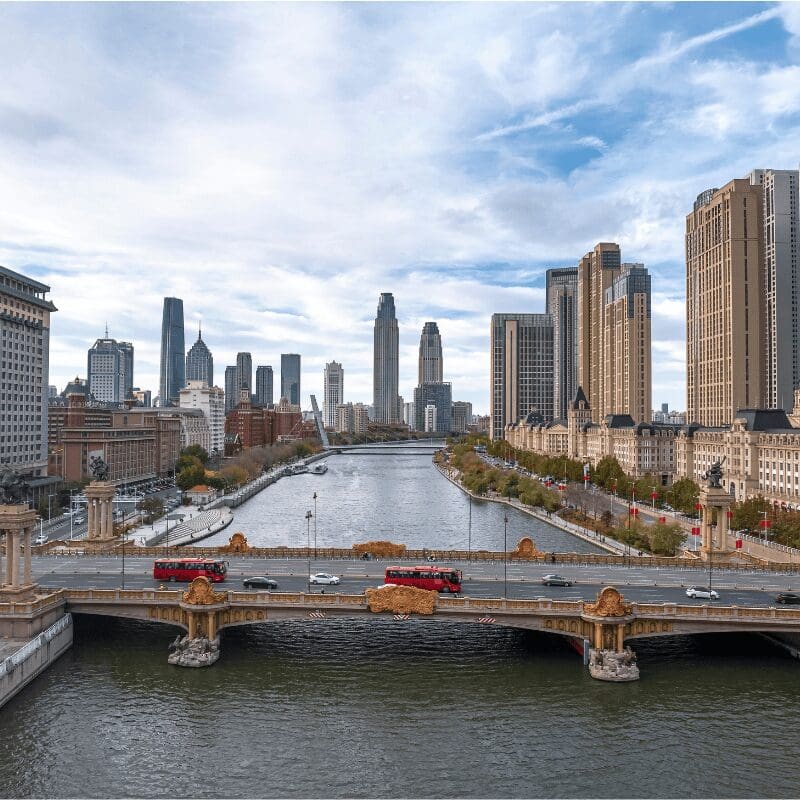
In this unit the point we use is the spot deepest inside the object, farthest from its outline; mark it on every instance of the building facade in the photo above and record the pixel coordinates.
(173, 352)
(264, 383)
(386, 363)
(290, 378)
(561, 303)
(431, 368)
(440, 396)
(244, 372)
(461, 416)
(110, 370)
(521, 377)
(724, 304)
(333, 379)
(25, 358)
(231, 388)
(351, 418)
(210, 400)
(200, 362)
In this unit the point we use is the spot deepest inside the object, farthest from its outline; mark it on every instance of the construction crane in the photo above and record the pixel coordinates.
(320, 424)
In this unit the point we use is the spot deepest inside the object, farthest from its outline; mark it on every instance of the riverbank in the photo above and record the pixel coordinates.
(610, 546)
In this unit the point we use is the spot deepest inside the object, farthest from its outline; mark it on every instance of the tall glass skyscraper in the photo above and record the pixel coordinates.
(264, 394)
(173, 352)
(333, 379)
(290, 377)
(110, 370)
(430, 355)
(200, 362)
(561, 303)
(231, 388)
(244, 371)
(385, 369)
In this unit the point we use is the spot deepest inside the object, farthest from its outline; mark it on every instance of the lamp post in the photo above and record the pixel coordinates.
(469, 530)
(123, 560)
(49, 512)
(71, 514)
(315, 526)
(308, 545)
(505, 555)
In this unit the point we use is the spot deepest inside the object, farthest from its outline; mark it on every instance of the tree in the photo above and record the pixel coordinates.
(665, 538)
(683, 495)
(190, 476)
(197, 451)
(609, 472)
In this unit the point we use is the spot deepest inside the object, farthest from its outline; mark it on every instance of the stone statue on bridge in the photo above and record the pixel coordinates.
(13, 488)
(714, 475)
(99, 468)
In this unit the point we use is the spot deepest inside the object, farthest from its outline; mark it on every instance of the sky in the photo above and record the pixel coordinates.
(279, 166)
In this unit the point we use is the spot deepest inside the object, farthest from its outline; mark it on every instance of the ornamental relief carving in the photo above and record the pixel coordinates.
(200, 593)
(610, 603)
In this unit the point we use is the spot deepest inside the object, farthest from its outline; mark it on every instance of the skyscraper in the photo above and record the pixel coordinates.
(173, 352)
(25, 353)
(781, 277)
(725, 306)
(290, 377)
(264, 391)
(626, 374)
(430, 355)
(440, 396)
(596, 272)
(521, 369)
(334, 392)
(244, 371)
(110, 370)
(231, 388)
(200, 362)
(561, 304)
(385, 371)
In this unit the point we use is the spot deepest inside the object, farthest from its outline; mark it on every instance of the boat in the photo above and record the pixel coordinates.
(298, 469)
(319, 469)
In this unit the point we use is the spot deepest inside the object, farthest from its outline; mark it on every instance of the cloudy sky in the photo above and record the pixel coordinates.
(278, 166)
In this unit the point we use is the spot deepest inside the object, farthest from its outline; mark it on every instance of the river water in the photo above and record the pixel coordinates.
(384, 708)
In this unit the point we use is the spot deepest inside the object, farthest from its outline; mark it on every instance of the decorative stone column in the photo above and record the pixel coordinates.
(16, 524)
(715, 503)
(200, 648)
(609, 659)
(99, 498)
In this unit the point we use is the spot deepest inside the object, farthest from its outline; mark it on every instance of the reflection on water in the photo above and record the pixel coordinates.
(378, 708)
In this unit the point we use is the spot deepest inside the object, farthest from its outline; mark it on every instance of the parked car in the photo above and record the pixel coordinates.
(556, 580)
(324, 578)
(41, 539)
(260, 582)
(701, 592)
(79, 520)
(788, 598)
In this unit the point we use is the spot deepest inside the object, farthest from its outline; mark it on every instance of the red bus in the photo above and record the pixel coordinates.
(187, 569)
(437, 579)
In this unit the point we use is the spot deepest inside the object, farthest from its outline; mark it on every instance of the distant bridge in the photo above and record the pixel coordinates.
(402, 446)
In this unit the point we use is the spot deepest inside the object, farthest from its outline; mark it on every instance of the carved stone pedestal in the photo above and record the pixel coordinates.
(608, 665)
(199, 652)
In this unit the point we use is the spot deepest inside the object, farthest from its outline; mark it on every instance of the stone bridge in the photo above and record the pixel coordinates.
(607, 624)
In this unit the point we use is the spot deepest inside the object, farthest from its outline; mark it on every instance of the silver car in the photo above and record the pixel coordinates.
(324, 579)
(702, 593)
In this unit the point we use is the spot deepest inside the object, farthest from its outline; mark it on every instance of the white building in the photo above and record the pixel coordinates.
(334, 392)
(211, 401)
(430, 419)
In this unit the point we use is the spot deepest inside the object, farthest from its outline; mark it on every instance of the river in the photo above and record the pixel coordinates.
(384, 708)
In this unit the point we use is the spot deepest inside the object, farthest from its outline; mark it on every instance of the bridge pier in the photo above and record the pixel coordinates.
(202, 607)
(609, 659)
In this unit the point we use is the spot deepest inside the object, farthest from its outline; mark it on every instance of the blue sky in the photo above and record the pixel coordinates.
(279, 166)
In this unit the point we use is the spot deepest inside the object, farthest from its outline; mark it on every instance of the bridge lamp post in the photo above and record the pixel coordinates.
(315, 526)
(505, 555)
(469, 530)
(308, 545)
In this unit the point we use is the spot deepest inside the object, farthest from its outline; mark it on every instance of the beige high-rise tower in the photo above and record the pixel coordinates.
(626, 371)
(724, 303)
(596, 272)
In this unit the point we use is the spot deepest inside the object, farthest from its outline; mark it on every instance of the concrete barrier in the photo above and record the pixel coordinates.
(33, 658)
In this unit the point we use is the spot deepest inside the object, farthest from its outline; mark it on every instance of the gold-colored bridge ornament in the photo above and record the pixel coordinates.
(200, 593)
(401, 600)
(237, 544)
(610, 603)
(526, 548)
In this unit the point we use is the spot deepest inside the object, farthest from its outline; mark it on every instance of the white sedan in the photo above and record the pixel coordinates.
(703, 592)
(324, 578)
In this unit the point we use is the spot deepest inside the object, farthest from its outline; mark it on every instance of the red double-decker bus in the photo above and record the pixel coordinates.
(187, 569)
(431, 577)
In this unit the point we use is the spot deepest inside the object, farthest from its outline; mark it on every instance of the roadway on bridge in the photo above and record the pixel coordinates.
(480, 579)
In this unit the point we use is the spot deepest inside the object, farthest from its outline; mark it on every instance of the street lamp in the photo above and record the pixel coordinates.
(505, 555)
(315, 526)
(469, 530)
(308, 544)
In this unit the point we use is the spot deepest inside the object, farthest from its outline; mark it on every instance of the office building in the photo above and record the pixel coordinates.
(521, 369)
(264, 391)
(409, 416)
(385, 368)
(725, 307)
(290, 378)
(173, 352)
(110, 370)
(333, 379)
(200, 362)
(25, 355)
(210, 400)
(142, 397)
(429, 419)
(440, 396)
(430, 354)
(244, 372)
(351, 418)
(461, 416)
(231, 388)
(626, 373)
(561, 303)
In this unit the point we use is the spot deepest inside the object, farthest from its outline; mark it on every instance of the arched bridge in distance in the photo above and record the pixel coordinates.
(606, 624)
(420, 446)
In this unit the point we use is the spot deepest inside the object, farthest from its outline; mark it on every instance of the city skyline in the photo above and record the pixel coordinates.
(473, 169)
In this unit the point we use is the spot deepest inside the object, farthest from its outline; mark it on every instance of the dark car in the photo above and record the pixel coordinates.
(260, 582)
(788, 598)
(556, 580)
